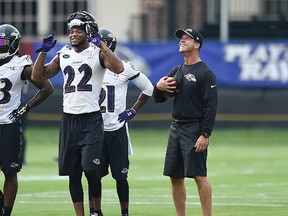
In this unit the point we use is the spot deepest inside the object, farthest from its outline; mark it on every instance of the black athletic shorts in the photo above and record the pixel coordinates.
(115, 154)
(181, 159)
(80, 145)
(11, 136)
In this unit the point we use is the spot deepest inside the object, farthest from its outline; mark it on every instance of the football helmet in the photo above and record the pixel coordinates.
(9, 40)
(83, 20)
(108, 37)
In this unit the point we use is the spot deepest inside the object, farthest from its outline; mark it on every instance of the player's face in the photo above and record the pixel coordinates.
(4, 45)
(77, 37)
(186, 44)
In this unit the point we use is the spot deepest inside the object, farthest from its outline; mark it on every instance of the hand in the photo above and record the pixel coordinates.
(167, 84)
(126, 115)
(16, 114)
(48, 43)
(95, 40)
(201, 144)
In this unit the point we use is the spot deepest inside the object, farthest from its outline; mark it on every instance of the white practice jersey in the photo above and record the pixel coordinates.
(83, 76)
(114, 92)
(11, 85)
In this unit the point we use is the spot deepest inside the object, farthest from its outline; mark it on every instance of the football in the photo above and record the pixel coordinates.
(172, 94)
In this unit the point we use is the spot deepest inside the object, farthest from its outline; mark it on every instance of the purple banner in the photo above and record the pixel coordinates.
(243, 63)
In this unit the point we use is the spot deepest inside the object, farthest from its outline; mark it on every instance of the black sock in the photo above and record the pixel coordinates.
(124, 211)
(7, 211)
(99, 212)
(92, 210)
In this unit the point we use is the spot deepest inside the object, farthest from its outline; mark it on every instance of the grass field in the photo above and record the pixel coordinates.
(248, 170)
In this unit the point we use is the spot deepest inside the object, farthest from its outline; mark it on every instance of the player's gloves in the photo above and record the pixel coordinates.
(48, 43)
(16, 114)
(95, 40)
(126, 115)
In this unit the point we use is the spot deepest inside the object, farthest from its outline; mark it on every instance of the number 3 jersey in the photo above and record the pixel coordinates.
(114, 91)
(83, 76)
(11, 85)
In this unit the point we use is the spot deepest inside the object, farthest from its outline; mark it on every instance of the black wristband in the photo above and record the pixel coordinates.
(27, 107)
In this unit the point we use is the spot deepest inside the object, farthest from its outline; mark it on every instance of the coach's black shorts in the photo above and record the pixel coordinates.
(115, 154)
(181, 159)
(80, 145)
(11, 136)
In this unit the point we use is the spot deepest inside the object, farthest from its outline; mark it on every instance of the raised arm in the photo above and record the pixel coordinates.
(107, 58)
(110, 60)
(41, 71)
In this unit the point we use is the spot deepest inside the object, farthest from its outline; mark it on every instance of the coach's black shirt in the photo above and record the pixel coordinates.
(197, 96)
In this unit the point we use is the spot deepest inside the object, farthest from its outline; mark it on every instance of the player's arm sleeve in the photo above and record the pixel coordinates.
(144, 84)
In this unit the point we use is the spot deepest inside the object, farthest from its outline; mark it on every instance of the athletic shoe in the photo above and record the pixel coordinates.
(97, 214)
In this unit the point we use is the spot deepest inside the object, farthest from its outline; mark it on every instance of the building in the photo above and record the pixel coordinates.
(153, 20)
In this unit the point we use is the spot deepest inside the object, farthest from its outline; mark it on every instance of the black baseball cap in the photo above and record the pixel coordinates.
(192, 33)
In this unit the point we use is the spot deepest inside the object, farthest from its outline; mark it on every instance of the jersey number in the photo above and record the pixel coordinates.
(109, 93)
(82, 85)
(5, 90)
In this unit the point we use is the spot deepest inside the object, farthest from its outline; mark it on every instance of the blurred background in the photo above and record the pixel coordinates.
(245, 44)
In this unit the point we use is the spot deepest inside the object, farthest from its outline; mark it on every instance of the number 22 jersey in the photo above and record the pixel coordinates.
(83, 76)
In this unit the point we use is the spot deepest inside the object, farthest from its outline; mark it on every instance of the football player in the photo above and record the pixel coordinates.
(15, 70)
(116, 145)
(83, 65)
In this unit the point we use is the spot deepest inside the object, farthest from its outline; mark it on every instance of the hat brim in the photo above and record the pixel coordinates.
(179, 33)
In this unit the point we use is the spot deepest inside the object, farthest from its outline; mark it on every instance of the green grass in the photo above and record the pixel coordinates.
(247, 169)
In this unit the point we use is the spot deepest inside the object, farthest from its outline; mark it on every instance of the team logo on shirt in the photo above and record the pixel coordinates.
(65, 56)
(96, 161)
(28, 58)
(190, 77)
(14, 165)
(133, 66)
(116, 77)
(92, 56)
(125, 170)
